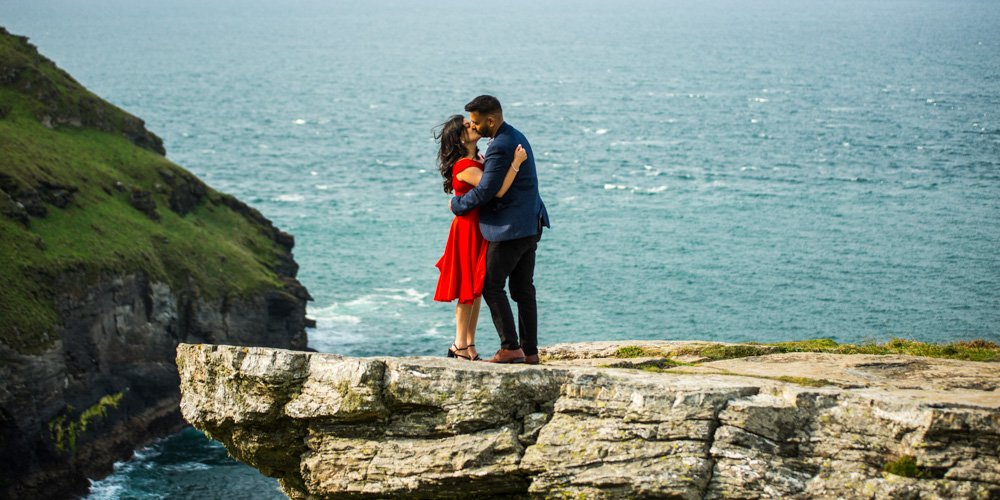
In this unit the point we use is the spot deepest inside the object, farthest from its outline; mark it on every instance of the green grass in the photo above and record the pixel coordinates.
(974, 350)
(218, 250)
(971, 350)
(715, 352)
(634, 351)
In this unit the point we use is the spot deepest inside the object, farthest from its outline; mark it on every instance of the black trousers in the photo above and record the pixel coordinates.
(513, 260)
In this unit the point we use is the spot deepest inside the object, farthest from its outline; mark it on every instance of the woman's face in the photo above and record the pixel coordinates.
(470, 134)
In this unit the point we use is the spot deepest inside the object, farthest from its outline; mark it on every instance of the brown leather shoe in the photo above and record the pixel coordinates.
(531, 359)
(508, 356)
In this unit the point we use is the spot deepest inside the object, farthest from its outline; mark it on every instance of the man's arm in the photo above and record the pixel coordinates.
(494, 171)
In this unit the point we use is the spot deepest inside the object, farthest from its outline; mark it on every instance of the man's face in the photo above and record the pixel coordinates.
(482, 123)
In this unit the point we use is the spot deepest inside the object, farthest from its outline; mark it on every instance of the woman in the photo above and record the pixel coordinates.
(463, 265)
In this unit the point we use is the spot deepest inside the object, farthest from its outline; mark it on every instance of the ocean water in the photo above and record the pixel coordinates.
(720, 170)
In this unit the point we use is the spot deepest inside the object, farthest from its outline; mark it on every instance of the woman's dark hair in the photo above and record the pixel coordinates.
(449, 134)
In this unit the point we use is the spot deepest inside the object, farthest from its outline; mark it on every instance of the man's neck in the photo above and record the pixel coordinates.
(497, 131)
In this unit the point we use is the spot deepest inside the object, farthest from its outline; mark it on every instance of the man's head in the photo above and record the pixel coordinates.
(485, 114)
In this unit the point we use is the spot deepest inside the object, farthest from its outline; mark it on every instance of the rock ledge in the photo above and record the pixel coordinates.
(329, 426)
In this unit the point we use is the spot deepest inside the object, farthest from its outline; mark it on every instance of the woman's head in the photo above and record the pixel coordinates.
(455, 135)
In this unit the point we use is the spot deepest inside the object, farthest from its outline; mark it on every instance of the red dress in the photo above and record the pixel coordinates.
(463, 265)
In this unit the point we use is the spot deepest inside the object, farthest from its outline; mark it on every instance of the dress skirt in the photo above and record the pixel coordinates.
(463, 264)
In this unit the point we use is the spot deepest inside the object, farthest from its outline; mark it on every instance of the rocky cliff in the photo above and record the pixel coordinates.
(785, 425)
(110, 255)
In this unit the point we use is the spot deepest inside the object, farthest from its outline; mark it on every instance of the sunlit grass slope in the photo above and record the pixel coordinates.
(73, 170)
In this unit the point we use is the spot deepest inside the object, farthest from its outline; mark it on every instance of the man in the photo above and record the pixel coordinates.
(513, 227)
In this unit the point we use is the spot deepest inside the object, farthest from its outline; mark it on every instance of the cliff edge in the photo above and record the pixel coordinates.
(607, 420)
(110, 255)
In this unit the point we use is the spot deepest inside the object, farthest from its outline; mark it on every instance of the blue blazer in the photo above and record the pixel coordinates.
(520, 213)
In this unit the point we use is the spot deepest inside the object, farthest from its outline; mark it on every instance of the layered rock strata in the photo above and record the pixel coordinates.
(329, 426)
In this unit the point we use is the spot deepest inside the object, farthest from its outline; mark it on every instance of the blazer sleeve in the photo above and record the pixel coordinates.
(494, 170)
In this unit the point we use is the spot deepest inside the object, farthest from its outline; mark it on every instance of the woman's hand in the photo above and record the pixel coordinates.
(520, 154)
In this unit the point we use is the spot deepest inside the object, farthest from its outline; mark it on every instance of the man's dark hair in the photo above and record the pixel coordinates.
(484, 105)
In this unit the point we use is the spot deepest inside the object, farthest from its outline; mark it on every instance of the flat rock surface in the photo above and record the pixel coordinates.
(800, 425)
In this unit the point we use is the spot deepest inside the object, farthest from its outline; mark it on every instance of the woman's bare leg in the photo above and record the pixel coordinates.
(470, 329)
(462, 314)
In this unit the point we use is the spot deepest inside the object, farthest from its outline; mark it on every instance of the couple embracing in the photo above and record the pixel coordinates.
(498, 222)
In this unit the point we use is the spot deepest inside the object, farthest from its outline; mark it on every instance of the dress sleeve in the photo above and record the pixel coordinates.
(461, 165)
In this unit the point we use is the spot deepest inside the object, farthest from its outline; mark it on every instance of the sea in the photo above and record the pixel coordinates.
(727, 170)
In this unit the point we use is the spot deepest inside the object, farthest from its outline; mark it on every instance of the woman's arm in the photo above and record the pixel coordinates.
(519, 156)
(473, 175)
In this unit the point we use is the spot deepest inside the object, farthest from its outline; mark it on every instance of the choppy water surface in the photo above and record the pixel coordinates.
(721, 170)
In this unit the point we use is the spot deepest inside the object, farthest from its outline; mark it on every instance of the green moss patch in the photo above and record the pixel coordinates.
(906, 466)
(715, 352)
(634, 351)
(66, 430)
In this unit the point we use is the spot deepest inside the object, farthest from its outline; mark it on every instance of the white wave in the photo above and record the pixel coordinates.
(760, 99)
(144, 454)
(187, 467)
(291, 198)
(322, 187)
(333, 314)
(404, 295)
(300, 121)
(313, 172)
(384, 297)
(657, 189)
(106, 489)
(601, 131)
(610, 187)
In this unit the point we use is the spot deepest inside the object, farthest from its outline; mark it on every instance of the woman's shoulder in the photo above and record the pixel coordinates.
(465, 163)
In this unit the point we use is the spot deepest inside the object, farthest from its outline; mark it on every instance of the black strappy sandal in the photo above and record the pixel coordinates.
(453, 352)
(477, 358)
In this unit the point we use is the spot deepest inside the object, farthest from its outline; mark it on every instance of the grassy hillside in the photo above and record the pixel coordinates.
(85, 191)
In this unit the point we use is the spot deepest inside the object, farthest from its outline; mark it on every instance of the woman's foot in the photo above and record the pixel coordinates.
(455, 352)
(473, 355)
